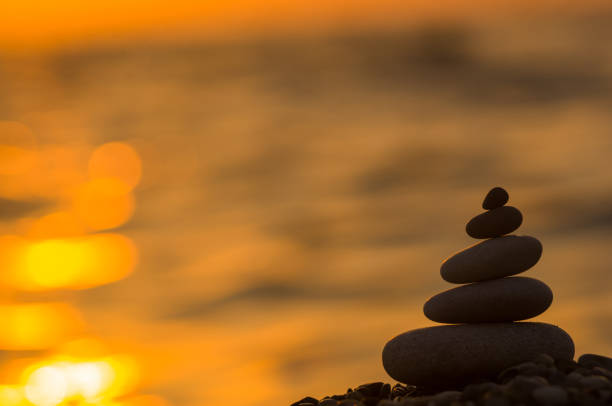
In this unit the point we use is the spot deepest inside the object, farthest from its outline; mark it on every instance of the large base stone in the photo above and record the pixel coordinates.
(455, 355)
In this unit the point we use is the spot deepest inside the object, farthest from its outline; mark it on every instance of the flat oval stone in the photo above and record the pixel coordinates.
(496, 197)
(492, 259)
(495, 223)
(453, 356)
(506, 299)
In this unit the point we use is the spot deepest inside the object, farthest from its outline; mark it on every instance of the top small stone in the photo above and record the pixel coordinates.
(496, 197)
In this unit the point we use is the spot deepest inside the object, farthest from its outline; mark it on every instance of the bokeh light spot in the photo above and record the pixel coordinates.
(79, 381)
(146, 400)
(35, 326)
(116, 160)
(71, 263)
(10, 395)
(104, 203)
(46, 386)
(17, 148)
(15, 160)
(55, 225)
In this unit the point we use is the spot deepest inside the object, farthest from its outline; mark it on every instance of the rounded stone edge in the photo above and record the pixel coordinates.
(513, 211)
(546, 289)
(444, 274)
(496, 189)
(566, 350)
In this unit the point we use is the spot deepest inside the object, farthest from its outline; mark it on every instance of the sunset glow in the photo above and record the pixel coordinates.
(93, 381)
(37, 326)
(238, 202)
(56, 250)
(116, 160)
(75, 263)
(52, 24)
(104, 203)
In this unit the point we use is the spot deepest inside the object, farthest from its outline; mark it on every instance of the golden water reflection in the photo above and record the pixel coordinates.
(68, 263)
(61, 249)
(251, 222)
(35, 326)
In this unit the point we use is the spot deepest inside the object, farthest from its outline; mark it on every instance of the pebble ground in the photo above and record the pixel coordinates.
(543, 381)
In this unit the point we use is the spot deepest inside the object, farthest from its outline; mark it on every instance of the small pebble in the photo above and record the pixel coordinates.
(355, 395)
(593, 360)
(524, 369)
(385, 391)
(605, 394)
(526, 384)
(566, 365)
(370, 389)
(307, 399)
(544, 359)
(497, 401)
(602, 372)
(401, 390)
(595, 382)
(536, 382)
(475, 391)
(554, 376)
(550, 395)
(370, 400)
(573, 379)
(350, 402)
(496, 197)
(448, 395)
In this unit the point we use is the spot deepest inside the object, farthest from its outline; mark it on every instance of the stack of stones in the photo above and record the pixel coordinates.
(484, 337)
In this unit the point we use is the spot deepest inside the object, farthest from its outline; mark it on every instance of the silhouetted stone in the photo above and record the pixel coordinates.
(496, 197)
(550, 396)
(401, 390)
(592, 360)
(451, 356)
(307, 399)
(385, 391)
(492, 259)
(566, 366)
(494, 223)
(370, 389)
(350, 402)
(544, 359)
(596, 382)
(535, 382)
(507, 299)
(525, 369)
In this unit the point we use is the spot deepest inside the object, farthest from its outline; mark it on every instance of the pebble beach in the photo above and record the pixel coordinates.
(542, 381)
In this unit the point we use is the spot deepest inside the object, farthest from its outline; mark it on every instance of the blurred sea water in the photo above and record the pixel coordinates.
(298, 195)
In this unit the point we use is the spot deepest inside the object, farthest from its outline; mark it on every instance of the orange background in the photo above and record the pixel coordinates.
(239, 202)
(42, 23)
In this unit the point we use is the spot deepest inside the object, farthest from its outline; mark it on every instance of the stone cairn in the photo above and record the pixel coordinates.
(483, 337)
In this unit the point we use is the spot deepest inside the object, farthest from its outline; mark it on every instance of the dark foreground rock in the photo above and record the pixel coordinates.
(453, 355)
(542, 381)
